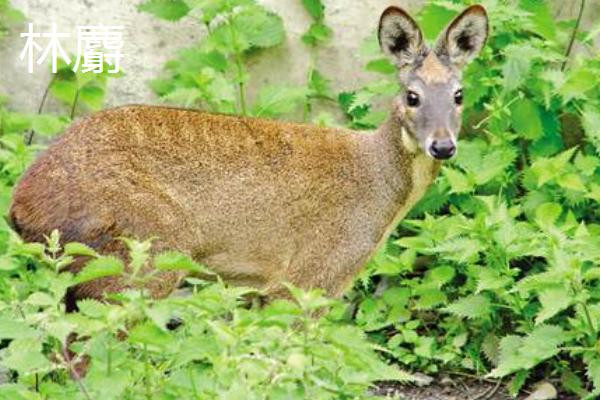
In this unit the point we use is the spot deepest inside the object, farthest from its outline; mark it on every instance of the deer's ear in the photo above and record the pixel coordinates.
(463, 39)
(399, 36)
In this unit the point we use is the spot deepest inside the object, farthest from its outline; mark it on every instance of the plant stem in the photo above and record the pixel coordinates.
(240, 71)
(74, 373)
(74, 106)
(147, 374)
(573, 35)
(588, 317)
(239, 65)
(493, 113)
(41, 108)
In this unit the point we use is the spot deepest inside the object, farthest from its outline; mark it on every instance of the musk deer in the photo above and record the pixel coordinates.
(260, 202)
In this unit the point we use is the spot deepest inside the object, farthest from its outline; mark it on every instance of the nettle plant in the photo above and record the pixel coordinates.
(207, 344)
(212, 74)
(496, 271)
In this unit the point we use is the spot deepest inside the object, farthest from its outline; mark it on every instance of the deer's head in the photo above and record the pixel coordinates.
(430, 104)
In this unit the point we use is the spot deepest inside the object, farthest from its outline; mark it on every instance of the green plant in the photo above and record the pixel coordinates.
(223, 349)
(209, 74)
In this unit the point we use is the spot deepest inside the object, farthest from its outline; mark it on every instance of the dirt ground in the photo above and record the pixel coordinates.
(451, 389)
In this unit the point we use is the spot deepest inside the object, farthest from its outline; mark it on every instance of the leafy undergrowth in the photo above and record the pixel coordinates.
(208, 344)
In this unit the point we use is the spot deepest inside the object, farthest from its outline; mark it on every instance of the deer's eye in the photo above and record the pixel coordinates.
(458, 97)
(412, 99)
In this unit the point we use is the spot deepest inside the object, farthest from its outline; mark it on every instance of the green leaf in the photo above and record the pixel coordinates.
(317, 34)
(175, 261)
(79, 249)
(170, 10)
(553, 301)
(99, 268)
(93, 308)
(65, 91)
(590, 119)
(542, 19)
(433, 17)
(547, 214)
(517, 65)
(572, 182)
(382, 66)
(25, 356)
(473, 306)
(593, 372)
(259, 27)
(459, 182)
(516, 383)
(92, 97)
(315, 8)
(150, 334)
(11, 328)
(319, 86)
(525, 352)
(274, 101)
(48, 125)
(526, 119)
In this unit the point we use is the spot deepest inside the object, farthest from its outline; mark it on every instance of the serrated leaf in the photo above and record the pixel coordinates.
(274, 101)
(459, 182)
(79, 249)
(473, 306)
(11, 328)
(593, 372)
(572, 182)
(553, 301)
(547, 214)
(259, 27)
(490, 347)
(525, 352)
(516, 383)
(99, 268)
(526, 120)
(92, 308)
(150, 334)
(590, 119)
(175, 261)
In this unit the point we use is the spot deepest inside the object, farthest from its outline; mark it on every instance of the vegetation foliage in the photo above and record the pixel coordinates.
(495, 273)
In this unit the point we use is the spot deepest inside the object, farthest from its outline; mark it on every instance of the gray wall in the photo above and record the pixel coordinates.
(149, 42)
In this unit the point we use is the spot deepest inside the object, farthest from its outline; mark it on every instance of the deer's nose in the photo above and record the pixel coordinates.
(442, 149)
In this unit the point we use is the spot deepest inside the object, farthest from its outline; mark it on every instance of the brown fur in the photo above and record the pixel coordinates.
(260, 202)
(433, 71)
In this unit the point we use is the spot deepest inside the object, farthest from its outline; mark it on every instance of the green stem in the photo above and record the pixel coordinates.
(147, 374)
(493, 113)
(573, 35)
(593, 334)
(239, 64)
(74, 106)
(29, 139)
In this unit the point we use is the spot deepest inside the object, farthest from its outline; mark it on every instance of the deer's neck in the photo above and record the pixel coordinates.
(403, 170)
